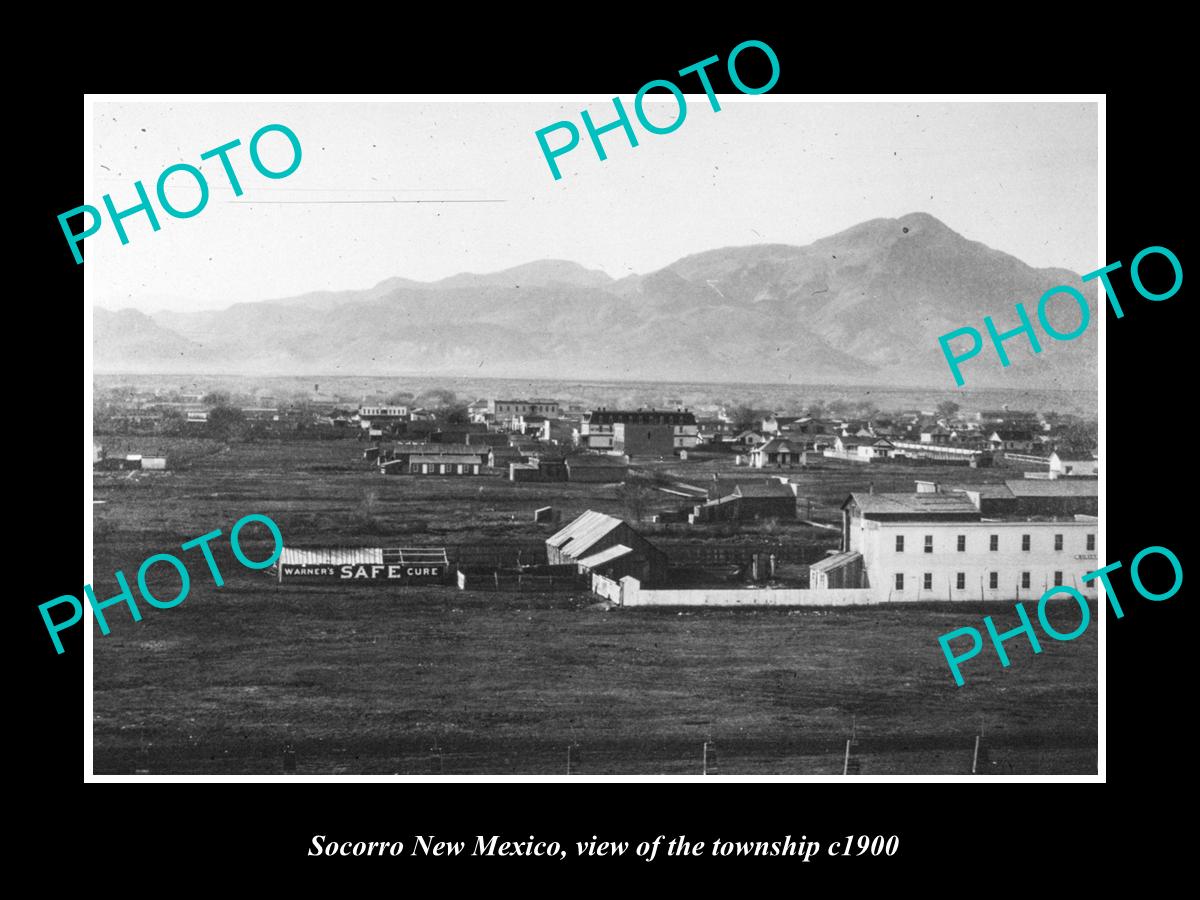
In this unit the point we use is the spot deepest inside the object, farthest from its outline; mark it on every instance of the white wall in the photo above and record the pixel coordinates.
(877, 543)
(606, 588)
(632, 594)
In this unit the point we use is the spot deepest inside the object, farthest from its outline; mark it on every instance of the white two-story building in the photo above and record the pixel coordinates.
(933, 546)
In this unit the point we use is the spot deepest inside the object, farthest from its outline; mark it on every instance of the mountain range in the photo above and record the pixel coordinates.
(863, 306)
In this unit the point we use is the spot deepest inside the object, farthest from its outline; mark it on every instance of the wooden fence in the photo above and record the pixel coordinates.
(562, 578)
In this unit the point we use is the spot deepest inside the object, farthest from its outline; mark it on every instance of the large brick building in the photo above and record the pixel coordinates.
(596, 429)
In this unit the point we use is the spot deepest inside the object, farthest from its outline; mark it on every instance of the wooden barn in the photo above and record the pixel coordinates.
(600, 543)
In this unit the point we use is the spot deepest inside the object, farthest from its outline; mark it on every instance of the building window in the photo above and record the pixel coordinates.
(962, 543)
(1058, 579)
(1091, 542)
(899, 581)
(929, 543)
(1058, 542)
(994, 542)
(928, 584)
(1024, 579)
(993, 580)
(899, 543)
(1024, 542)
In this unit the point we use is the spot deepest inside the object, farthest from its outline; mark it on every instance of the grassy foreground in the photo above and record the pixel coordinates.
(372, 679)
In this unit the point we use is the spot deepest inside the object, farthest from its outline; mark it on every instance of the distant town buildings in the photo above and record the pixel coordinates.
(383, 412)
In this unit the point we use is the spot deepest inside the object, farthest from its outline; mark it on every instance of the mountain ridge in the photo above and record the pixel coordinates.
(862, 305)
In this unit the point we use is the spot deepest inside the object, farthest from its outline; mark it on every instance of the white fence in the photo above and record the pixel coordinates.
(630, 593)
(843, 454)
(606, 588)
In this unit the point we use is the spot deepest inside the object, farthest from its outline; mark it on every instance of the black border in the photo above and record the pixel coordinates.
(1147, 439)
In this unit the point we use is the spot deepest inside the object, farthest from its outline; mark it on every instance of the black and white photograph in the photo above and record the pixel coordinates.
(442, 437)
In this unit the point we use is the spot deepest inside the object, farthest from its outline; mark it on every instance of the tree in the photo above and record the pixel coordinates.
(225, 422)
(216, 398)
(455, 415)
(747, 417)
(435, 397)
(818, 409)
(635, 496)
(947, 409)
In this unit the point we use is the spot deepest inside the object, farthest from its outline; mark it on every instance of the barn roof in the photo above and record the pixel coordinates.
(616, 551)
(575, 539)
(451, 458)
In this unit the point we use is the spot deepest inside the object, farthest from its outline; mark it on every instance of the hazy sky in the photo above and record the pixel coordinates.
(1019, 177)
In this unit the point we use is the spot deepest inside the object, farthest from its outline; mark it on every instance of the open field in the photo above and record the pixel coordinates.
(372, 679)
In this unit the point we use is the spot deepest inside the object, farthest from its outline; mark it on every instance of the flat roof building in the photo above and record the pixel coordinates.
(938, 546)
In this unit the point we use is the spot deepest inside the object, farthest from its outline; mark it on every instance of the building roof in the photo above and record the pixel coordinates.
(834, 562)
(1061, 487)
(291, 556)
(985, 491)
(451, 458)
(616, 551)
(766, 488)
(640, 416)
(912, 504)
(775, 445)
(1006, 435)
(429, 449)
(575, 539)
